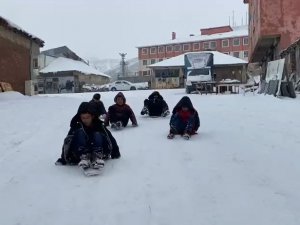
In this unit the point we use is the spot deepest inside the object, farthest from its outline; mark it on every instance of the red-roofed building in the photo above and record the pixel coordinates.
(229, 40)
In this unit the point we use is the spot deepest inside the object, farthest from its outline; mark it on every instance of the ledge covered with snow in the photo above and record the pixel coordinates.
(63, 64)
(219, 59)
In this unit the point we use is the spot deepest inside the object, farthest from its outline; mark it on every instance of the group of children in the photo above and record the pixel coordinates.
(89, 142)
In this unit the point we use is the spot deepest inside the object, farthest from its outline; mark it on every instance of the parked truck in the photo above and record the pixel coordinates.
(198, 70)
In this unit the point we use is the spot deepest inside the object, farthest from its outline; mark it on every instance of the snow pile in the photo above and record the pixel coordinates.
(11, 95)
(64, 64)
(242, 168)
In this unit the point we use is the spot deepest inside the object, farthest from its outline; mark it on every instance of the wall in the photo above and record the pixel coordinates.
(16, 59)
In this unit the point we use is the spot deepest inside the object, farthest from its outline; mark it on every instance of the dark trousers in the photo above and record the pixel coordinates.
(178, 126)
(84, 143)
(122, 118)
(154, 108)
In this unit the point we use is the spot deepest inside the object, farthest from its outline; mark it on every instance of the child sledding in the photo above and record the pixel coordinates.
(119, 114)
(155, 106)
(184, 120)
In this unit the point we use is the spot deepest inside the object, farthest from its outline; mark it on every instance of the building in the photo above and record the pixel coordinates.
(228, 40)
(273, 26)
(48, 56)
(19, 52)
(170, 73)
(67, 75)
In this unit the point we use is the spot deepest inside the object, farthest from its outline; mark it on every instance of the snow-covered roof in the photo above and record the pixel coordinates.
(239, 31)
(219, 59)
(64, 64)
(12, 26)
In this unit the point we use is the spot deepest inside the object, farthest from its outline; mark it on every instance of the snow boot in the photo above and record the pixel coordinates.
(119, 125)
(171, 136)
(85, 161)
(145, 111)
(186, 136)
(97, 162)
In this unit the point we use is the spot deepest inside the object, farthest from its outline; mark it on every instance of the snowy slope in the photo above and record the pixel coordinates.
(242, 169)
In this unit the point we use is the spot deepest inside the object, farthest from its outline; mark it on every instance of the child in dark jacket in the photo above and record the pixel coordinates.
(88, 142)
(119, 114)
(184, 120)
(99, 106)
(155, 106)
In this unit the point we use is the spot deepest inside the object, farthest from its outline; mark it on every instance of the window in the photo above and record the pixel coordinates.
(206, 45)
(145, 63)
(145, 73)
(118, 82)
(246, 54)
(197, 72)
(225, 43)
(246, 41)
(152, 50)
(153, 61)
(145, 51)
(227, 53)
(186, 47)
(160, 60)
(161, 49)
(35, 64)
(169, 48)
(236, 42)
(236, 54)
(196, 46)
(212, 45)
(177, 48)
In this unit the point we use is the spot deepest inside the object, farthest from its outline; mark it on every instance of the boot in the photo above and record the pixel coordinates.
(119, 125)
(186, 136)
(97, 162)
(171, 136)
(85, 161)
(145, 111)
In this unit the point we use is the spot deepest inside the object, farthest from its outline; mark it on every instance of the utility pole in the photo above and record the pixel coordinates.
(123, 64)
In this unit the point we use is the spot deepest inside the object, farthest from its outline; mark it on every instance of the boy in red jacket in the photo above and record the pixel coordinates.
(184, 120)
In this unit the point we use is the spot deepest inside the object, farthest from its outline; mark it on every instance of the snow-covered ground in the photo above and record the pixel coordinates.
(241, 169)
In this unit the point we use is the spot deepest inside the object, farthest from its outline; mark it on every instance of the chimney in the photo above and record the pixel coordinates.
(173, 35)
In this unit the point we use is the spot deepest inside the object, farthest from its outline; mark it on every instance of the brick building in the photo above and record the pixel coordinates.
(19, 52)
(229, 40)
(273, 26)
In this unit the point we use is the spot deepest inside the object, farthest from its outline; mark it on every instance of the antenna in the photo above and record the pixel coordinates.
(233, 18)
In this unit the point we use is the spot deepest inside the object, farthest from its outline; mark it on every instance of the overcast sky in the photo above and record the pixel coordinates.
(102, 29)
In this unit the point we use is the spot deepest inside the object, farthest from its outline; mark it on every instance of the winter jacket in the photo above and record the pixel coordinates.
(190, 117)
(110, 146)
(120, 113)
(156, 104)
(99, 106)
